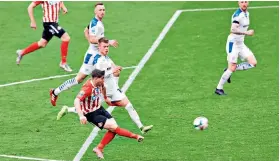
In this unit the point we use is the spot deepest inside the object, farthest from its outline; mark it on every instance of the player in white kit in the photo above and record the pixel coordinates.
(94, 32)
(235, 46)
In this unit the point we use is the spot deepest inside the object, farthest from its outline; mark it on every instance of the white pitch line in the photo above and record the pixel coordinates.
(47, 78)
(223, 9)
(131, 78)
(26, 158)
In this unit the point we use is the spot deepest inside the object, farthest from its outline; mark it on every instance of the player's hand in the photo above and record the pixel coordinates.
(117, 70)
(114, 43)
(65, 10)
(33, 25)
(250, 32)
(108, 101)
(83, 120)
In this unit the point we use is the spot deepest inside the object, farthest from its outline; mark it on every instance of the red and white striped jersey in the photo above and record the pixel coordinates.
(90, 97)
(50, 10)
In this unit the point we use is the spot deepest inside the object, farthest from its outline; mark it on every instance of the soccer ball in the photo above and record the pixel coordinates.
(200, 123)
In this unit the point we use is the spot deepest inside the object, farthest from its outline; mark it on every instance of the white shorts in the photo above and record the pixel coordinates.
(115, 96)
(237, 50)
(87, 68)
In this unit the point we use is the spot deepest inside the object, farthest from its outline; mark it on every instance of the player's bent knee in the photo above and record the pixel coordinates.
(111, 124)
(254, 63)
(80, 77)
(65, 37)
(79, 80)
(232, 67)
(252, 60)
(43, 43)
(123, 102)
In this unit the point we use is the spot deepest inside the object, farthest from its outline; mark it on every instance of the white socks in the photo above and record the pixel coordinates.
(244, 66)
(66, 85)
(133, 115)
(71, 109)
(224, 78)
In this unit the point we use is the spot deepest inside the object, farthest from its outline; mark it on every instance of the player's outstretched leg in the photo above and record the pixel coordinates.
(113, 129)
(64, 86)
(136, 119)
(133, 114)
(31, 48)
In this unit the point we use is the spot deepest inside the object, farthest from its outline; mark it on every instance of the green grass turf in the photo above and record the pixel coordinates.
(175, 86)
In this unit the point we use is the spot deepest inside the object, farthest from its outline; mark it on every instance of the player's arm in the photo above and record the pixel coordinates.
(31, 14)
(107, 100)
(116, 69)
(86, 32)
(64, 9)
(93, 39)
(77, 103)
(235, 27)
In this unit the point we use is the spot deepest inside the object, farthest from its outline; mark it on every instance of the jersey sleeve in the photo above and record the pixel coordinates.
(85, 92)
(94, 29)
(38, 2)
(236, 18)
(101, 64)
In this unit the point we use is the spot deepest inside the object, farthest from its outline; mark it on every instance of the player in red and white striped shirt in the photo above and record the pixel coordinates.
(88, 106)
(51, 28)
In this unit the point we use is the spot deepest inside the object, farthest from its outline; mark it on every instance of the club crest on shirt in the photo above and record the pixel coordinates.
(100, 124)
(53, 2)
(82, 93)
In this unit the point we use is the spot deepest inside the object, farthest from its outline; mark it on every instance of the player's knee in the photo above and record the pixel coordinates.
(254, 63)
(42, 43)
(65, 37)
(232, 67)
(111, 124)
(79, 78)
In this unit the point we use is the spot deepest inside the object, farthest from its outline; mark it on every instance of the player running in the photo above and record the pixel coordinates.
(51, 28)
(118, 98)
(88, 106)
(235, 46)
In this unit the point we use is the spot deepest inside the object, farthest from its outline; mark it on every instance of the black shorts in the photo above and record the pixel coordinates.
(52, 29)
(98, 117)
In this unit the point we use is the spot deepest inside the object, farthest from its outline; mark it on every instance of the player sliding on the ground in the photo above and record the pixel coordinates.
(235, 46)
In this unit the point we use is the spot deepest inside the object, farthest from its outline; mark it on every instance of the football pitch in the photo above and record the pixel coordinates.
(186, 42)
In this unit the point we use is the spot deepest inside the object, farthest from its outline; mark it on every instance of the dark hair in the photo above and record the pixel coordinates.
(103, 39)
(98, 4)
(96, 73)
